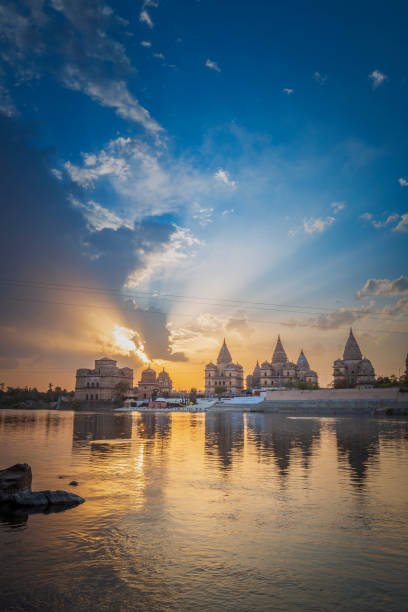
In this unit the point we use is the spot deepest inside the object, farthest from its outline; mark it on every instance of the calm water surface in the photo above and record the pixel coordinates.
(208, 512)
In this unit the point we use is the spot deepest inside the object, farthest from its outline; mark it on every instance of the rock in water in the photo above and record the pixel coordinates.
(15, 491)
(64, 498)
(15, 479)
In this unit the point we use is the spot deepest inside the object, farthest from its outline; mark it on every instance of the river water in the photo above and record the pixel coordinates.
(213, 511)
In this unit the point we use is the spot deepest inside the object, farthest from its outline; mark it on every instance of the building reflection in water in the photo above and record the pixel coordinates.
(224, 437)
(278, 437)
(358, 443)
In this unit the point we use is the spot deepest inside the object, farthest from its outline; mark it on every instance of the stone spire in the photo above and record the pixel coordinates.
(352, 350)
(279, 355)
(303, 362)
(257, 369)
(224, 356)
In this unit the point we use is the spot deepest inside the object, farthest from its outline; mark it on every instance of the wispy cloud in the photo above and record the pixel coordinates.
(146, 43)
(224, 177)
(228, 211)
(100, 218)
(338, 206)
(288, 91)
(333, 320)
(384, 287)
(377, 78)
(319, 225)
(144, 17)
(402, 225)
(212, 65)
(320, 78)
(403, 182)
(204, 215)
(113, 94)
(400, 222)
(7, 106)
(159, 56)
(161, 262)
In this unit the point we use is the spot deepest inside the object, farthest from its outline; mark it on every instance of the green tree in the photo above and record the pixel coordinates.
(219, 391)
(121, 388)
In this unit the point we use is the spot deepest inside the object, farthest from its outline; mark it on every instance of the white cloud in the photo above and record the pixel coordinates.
(113, 94)
(288, 91)
(147, 180)
(223, 176)
(159, 55)
(146, 43)
(57, 173)
(338, 206)
(387, 221)
(400, 307)
(103, 164)
(333, 320)
(403, 182)
(384, 286)
(312, 225)
(212, 65)
(203, 215)
(402, 225)
(7, 106)
(100, 218)
(320, 78)
(400, 221)
(159, 263)
(228, 211)
(377, 78)
(144, 17)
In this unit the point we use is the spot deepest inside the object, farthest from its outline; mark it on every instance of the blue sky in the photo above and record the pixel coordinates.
(218, 150)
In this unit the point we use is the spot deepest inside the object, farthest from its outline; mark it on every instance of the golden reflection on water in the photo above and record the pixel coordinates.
(201, 511)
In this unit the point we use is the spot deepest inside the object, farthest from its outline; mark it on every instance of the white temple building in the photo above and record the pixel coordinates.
(225, 374)
(280, 372)
(353, 370)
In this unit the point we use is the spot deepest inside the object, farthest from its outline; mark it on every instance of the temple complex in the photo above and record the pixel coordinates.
(280, 372)
(101, 382)
(150, 384)
(226, 374)
(353, 370)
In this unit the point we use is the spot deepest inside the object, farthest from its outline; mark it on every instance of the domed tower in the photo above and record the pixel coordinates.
(279, 354)
(225, 374)
(147, 384)
(302, 362)
(352, 350)
(165, 383)
(353, 370)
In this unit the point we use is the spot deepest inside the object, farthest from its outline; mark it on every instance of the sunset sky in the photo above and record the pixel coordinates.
(173, 172)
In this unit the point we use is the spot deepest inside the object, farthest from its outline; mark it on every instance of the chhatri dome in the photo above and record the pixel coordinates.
(281, 372)
(352, 370)
(225, 375)
(224, 356)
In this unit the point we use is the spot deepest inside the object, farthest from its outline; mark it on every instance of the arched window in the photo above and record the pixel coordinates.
(97, 384)
(96, 396)
(87, 384)
(86, 396)
(91, 396)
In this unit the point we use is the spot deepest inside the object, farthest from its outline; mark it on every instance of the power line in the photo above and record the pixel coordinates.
(192, 315)
(224, 302)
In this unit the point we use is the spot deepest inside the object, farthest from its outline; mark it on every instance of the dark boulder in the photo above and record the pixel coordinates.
(15, 492)
(15, 479)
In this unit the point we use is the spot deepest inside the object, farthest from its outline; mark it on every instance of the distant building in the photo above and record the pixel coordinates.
(225, 374)
(100, 383)
(150, 384)
(280, 372)
(406, 366)
(353, 370)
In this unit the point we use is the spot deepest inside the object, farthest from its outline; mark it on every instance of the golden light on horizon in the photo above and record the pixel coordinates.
(125, 340)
